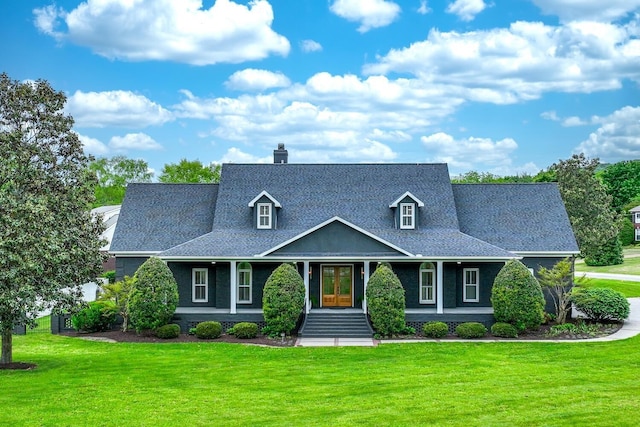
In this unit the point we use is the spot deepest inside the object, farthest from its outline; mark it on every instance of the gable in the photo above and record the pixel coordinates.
(336, 239)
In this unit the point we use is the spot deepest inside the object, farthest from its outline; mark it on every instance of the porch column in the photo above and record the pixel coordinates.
(233, 284)
(305, 276)
(439, 287)
(366, 279)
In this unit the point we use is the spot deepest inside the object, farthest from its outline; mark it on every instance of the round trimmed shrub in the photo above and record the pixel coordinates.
(98, 316)
(504, 330)
(244, 330)
(435, 329)
(208, 330)
(385, 302)
(282, 300)
(600, 303)
(517, 297)
(154, 295)
(169, 331)
(471, 330)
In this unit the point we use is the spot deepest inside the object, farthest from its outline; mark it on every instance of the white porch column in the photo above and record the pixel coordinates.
(366, 279)
(305, 276)
(439, 287)
(234, 286)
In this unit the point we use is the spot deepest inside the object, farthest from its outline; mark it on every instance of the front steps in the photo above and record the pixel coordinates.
(328, 323)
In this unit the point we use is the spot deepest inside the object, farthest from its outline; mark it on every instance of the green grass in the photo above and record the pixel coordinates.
(628, 289)
(468, 384)
(631, 265)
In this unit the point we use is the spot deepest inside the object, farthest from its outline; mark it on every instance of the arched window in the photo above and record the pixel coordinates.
(244, 283)
(427, 283)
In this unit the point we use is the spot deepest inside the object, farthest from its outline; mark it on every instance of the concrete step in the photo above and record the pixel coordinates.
(328, 325)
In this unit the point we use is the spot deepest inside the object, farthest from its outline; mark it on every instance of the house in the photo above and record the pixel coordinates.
(635, 219)
(337, 222)
(109, 216)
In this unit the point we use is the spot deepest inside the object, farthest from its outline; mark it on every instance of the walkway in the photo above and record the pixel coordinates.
(630, 328)
(611, 276)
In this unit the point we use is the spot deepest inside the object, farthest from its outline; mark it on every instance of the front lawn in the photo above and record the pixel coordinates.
(628, 289)
(79, 382)
(631, 265)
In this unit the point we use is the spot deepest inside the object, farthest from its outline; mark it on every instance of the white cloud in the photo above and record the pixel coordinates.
(573, 121)
(617, 138)
(550, 115)
(466, 9)
(168, 30)
(424, 8)
(115, 108)
(588, 10)
(251, 79)
(92, 145)
(134, 141)
(310, 46)
(235, 155)
(369, 13)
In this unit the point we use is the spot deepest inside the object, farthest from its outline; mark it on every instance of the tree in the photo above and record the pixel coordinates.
(557, 281)
(154, 296)
(622, 182)
(282, 300)
(595, 224)
(517, 298)
(190, 171)
(113, 176)
(49, 244)
(119, 292)
(386, 302)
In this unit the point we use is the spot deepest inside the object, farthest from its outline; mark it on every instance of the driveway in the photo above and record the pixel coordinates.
(624, 277)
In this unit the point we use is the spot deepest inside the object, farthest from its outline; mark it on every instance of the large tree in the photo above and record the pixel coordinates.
(113, 176)
(622, 182)
(595, 223)
(190, 171)
(49, 244)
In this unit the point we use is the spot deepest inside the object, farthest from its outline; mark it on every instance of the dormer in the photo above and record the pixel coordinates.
(406, 211)
(264, 211)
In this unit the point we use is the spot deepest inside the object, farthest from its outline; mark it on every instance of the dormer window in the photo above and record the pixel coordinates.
(406, 207)
(265, 215)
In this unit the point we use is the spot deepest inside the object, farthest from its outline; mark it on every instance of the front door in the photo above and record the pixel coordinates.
(337, 283)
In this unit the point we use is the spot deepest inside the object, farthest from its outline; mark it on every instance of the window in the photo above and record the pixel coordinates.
(637, 221)
(427, 283)
(471, 285)
(244, 283)
(199, 285)
(637, 233)
(264, 215)
(407, 215)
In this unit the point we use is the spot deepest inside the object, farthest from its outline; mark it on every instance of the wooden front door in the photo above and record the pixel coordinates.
(337, 281)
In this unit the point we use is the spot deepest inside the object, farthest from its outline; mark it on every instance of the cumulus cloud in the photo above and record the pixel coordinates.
(466, 10)
(550, 115)
(424, 8)
(92, 145)
(369, 13)
(588, 10)
(251, 79)
(235, 155)
(134, 141)
(115, 108)
(168, 30)
(617, 138)
(308, 46)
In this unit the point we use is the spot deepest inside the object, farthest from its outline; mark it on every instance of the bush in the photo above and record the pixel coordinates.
(282, 300)
(244, 330)
(385, 302)
(517, 297)
(627, 233)
(98, 316)
(171, 330)
(504, 330)
(608, 253)
(435, 329)
(600, 303)
(471, 330)
(154, 296)
(208, 330)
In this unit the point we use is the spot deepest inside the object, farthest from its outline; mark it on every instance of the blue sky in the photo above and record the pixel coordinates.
(502, 86)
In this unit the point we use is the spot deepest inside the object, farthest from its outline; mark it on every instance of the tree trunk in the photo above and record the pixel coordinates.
(7, 345)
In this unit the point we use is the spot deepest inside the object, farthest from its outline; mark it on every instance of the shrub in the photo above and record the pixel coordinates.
(435, 329)
(208, 330)
(517, 297)
(98, 316)
(471, 330)
(171, 330)
(504, 330)
(627, 233)
(282, 300)
(600, 303)
(244, 330)
(154, 295)
(385, 302)
(608, 253)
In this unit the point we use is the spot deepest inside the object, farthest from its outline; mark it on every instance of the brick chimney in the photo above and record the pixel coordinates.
(280, 155)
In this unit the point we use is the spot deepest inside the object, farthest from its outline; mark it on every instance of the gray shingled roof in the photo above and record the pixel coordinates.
(516, 217)
(156, 217)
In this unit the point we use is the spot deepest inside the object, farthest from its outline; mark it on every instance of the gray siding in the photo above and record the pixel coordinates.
(182, 272)
(127, 266)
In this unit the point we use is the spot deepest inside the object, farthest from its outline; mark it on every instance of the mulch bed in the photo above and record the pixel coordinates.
(19, 366)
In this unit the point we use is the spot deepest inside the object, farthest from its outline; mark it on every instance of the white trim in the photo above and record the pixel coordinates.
(194, 285)
(637, 218)
(637, 233)
(399, 199)
(232, 287)
(421, 285)
(260, 216)
(269, 196)
(305, 277)
(411, 215)
(329, 221)
(543, 254)
(248, 286)
(367, 275)
(475, 285)
(335, 259)
(439, 287)
(133, 254)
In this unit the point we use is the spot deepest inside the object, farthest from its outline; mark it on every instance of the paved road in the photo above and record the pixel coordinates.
(625, 277)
